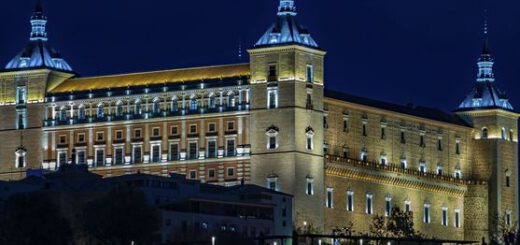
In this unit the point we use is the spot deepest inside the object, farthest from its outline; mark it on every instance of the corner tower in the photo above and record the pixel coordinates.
(287, 114)
(24, 81)
(496, 154)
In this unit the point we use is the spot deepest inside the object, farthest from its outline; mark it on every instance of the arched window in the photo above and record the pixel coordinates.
(63, 113)
(138, 109)
(81, 112)
(231, 100)
(156, 107)
(119, 109)
(309, 132)
(100, 111)
(484, 133)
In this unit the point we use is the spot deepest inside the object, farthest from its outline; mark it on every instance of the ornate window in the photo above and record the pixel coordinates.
(272, 137)
(20, 157)
(309, 132)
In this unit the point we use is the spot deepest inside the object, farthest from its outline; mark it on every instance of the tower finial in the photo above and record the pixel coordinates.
(240, 49)
(287, 7)
(38, 23)
(485, 49)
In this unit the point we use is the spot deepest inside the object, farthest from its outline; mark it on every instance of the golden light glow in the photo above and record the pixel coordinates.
(152, 78)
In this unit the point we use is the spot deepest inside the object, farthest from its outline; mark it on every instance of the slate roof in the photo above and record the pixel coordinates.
(418, 111)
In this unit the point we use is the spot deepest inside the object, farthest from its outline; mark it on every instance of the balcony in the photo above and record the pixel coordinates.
(146, 115)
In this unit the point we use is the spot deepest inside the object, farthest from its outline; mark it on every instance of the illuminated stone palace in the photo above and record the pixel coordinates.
(270, 122)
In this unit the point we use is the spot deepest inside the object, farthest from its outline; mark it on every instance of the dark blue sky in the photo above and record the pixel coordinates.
(399, 51)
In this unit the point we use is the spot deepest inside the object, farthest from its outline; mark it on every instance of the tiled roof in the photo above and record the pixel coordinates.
(418, 111)
(152, 78)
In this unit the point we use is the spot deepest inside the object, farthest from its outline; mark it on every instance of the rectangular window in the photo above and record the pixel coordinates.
(426, 217)
(174, 130)
(369, 206)
(212, 149)
(193, 129)
(81, 138)
(308, 104)
(100, 136)
(329, 201)
(62, 158)
(174, 152)
(156, 153)
(63, 139)
(345, 125)
(272, 72)
(212, 127)
(309, 143)
(364, 130)
(310, 74)
(403, 138)
(81, 157)
(309, 189)
(119, 156)
(383, 133)
(21, 95)
(457, 218)
(388, 206)
(457, 147)
(119, 135)
(156, 132)
(192, 150)
(444, 216)
(193, 174)
(230, 172)
(439, 144)
(137, 134)
(350, 201)
(271, 184)
(100, 157)
(272, 142)
(325, 123)
(421, 141)
(230, 148)
(408, 206)
(138, 154)
(272, 99)
(508, 181)
(211, 173)
(230, 126)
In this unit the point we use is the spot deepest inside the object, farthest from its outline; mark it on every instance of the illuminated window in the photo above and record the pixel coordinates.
(439, 169)
(422, 167)
(81, 112)
(272, 137)
(457, 147)
(383, 133)
(81, 157)
(444, 216)
(508, 218)
(426, 217)
(503, 133)
(404, 164)
(20, 157)
(383, 160)
(194, 104)
(364, 129)
(119, 109)
(138, 109)
(330, 198)
(350, 201)
(63, 113)
(364, 155)
(309, 188)
(369, 209)
(100, 111)
(174, 105)
(422, 143)
(193, 174)
(62, 158)
(272, 98)
(457, 218)
(345, 125)
(231, 100)
(457, 173)
(439, 144)
(484, 133)
(309, 138)
(388, 206)
(272, 182)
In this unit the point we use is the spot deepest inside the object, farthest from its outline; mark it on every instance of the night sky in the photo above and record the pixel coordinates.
(399, 51)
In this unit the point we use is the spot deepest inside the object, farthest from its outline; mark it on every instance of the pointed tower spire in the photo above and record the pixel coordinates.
(485, 62)
(38, 23)
(485, 49)
(287, 8)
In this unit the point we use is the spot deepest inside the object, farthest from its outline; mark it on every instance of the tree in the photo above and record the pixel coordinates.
(400, 224)
(33, 219)
(378, 228)
(121, 217)
(505, 234)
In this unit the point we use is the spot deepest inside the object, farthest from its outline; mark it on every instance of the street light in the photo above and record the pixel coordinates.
(213, 240)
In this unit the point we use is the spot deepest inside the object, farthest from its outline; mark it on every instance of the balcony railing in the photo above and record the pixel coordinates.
(145, 115)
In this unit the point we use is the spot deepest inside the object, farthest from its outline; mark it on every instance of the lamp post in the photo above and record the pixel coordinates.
(213, 240)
